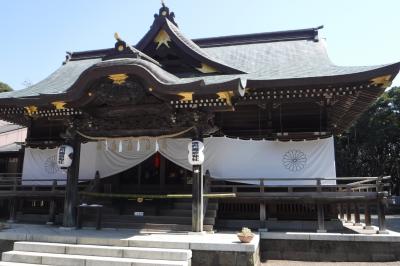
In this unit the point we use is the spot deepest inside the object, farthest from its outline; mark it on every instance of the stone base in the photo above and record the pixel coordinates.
(197, 233)
(382, 232)
(329, 250)
(321, 231)
(368, 227)
(66, 228)
(357, 224)
(225, 258)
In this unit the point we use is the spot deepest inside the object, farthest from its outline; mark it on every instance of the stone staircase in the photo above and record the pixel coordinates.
(177, 217)
(40, 253)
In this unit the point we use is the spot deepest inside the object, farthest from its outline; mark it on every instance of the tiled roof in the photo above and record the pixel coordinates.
(261, 59)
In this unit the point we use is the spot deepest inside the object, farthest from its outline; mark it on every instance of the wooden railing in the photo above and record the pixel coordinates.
(11, 184)
(347, 194)
(361, 184)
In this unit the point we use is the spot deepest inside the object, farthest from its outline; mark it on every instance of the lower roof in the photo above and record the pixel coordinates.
(270, 64)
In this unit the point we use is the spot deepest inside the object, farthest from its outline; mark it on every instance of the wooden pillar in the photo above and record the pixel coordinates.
(197, 199)
(272, 212)
(357, 221)
(348, 212)
(341, 211)
(320, 211)
(263, 213)
(381, 216)
(52, 208)
(381, 206)
(197, 191)
(367, 216)
(71, 189)
(321, 218)
(13, 210)
(13, 206)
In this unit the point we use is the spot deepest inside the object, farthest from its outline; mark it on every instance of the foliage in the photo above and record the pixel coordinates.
(245, 232)
(371, 147)
(4, 87)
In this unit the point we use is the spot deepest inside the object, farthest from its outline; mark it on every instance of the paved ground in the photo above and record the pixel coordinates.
(306, 263)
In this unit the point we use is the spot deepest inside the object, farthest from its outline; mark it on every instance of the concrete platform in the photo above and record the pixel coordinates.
(358, 245)
(207, 249)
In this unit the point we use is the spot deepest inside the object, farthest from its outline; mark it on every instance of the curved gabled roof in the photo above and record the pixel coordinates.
(263, 60)
(185, 44)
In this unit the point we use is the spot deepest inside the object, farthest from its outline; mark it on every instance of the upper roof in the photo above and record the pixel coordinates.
(262, 60)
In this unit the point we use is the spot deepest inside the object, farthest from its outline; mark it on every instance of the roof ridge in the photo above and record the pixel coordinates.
(261, 37)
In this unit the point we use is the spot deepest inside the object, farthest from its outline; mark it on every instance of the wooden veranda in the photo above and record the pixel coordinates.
(348, 196)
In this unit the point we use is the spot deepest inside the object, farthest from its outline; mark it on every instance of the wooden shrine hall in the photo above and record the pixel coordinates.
(278, 87)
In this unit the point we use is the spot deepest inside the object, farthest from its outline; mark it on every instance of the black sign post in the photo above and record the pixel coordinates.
(196, 158)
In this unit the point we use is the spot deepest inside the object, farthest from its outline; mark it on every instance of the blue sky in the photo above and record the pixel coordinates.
(34, 35)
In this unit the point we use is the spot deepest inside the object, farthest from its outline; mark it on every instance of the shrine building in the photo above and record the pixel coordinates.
(265, 105)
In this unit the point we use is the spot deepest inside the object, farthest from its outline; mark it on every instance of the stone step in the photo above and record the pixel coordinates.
(150, 219)
(186, 213)
(188, 205)
(150, 226)
(108, 251)
(7, 263)
(82, 260)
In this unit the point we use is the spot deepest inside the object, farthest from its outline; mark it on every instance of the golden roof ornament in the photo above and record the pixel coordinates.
(31, 109)
(118, 79)
(59, 105)
(382, 81)
(162, 38)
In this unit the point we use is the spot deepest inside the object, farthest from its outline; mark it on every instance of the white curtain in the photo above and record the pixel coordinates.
(225, 158)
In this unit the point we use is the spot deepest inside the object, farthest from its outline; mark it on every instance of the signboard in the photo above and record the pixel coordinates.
(196, 152)
(64, 156)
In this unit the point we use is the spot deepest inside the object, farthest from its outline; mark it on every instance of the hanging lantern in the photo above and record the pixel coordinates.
(64, 156)
(157, 160)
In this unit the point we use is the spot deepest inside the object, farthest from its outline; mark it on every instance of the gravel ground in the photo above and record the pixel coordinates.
(306, 263)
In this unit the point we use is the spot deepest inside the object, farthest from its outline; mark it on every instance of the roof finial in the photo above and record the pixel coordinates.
(164, 13)
(116, 36)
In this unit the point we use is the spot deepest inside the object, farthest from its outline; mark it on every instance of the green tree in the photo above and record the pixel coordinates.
(371, 147)
(4, 87)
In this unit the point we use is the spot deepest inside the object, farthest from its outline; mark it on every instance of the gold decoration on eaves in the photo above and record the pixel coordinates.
(118, 78)
(162, 38)
(59, 105)
(206, 68)
(226, 95)
(382, 81)
(187, 96)
(31, 109)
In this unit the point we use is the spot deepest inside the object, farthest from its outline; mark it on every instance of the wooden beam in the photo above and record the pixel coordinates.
(71, 190)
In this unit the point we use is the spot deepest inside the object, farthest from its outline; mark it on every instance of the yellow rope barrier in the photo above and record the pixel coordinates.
(154, 196)
(137, 138)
